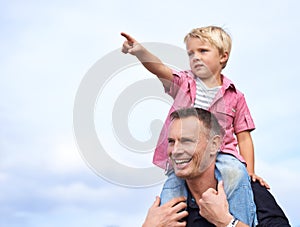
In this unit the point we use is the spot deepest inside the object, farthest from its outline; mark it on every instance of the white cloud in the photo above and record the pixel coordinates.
(81, 193)
(64, 158)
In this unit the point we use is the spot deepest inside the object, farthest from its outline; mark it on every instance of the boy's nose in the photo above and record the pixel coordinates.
(196, 57)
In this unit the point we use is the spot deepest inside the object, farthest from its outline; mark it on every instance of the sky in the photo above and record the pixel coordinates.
(49, 49)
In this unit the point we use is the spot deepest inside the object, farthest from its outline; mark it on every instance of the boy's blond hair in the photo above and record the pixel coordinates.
(216, 36)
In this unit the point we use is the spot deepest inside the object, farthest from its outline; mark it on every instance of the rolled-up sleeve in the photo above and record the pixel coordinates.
(243, 120)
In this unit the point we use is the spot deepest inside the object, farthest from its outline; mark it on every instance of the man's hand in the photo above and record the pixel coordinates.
(168, 214)
(130, 45)
(214, 206)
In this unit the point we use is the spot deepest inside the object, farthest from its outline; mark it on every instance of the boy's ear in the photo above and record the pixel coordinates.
(224, 57)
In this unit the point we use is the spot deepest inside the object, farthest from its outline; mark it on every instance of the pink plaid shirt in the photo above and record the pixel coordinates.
(229, 106)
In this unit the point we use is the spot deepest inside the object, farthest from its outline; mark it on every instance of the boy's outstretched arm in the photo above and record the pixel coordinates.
(150, 61)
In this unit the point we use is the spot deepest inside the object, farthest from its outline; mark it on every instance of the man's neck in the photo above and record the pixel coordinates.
(199, 185)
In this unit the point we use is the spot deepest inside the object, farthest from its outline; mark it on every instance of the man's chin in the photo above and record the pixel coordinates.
(181, 174)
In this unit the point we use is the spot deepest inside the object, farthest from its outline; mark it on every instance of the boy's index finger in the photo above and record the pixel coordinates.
(128, 37)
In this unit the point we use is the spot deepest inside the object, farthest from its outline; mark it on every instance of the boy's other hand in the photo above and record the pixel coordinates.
(255, 178)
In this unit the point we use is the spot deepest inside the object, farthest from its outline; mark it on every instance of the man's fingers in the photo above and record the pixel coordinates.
(221, 190)
(211, 191)
(175, 201)
(156, 202)
(207, 194)
(179, 207)
(177, 204)
(182, 214)
(129, 38)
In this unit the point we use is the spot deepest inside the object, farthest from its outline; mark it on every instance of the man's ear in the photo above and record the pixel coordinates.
(215, 144)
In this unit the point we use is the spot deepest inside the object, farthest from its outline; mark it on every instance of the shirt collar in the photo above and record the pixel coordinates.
(227, 83)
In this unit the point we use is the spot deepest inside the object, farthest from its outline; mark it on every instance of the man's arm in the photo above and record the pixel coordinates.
(268, 211)
(215, 209)
(168, 214)
(150, 61)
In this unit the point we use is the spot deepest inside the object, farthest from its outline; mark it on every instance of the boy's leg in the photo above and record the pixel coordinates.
(237, 188)
(173, 187)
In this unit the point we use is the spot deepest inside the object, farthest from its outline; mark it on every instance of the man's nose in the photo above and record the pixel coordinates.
(177, 147)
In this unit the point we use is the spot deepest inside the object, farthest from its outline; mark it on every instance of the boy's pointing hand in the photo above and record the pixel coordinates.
(130, 45)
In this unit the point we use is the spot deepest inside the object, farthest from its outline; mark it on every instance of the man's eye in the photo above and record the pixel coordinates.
(170, 141)
(186, 141)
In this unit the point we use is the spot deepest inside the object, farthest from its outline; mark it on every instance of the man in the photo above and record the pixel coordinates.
(193, 142)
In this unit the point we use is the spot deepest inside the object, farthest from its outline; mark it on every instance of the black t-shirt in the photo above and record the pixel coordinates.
(269, 213)
(194, 218)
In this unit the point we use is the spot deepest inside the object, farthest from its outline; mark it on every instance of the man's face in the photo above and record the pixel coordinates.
(188, 147)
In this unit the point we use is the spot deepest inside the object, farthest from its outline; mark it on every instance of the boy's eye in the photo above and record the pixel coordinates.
(190, 54)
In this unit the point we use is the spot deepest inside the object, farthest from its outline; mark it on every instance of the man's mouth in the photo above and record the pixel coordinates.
(182, 161)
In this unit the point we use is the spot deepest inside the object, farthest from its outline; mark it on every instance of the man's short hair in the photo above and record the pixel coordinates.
(208, 119)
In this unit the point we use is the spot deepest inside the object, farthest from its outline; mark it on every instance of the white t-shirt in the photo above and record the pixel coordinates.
(204, 95)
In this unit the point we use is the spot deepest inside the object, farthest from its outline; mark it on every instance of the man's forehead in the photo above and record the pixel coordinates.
(185, 126)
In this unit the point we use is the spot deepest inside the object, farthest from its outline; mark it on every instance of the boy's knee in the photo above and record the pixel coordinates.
(235, 177)
(173, 182)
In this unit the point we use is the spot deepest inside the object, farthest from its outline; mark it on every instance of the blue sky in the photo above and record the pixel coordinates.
(48, 47)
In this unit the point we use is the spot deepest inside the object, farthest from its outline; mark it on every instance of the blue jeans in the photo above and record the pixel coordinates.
(236, 185)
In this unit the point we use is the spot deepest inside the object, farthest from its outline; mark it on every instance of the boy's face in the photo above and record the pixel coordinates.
(205, 60)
